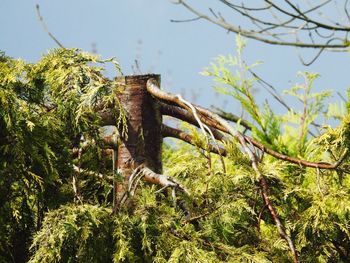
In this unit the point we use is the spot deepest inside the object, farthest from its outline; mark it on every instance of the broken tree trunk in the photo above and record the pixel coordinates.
(143, 142)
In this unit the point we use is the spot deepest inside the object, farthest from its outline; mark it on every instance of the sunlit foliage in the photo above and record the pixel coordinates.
(46, 107)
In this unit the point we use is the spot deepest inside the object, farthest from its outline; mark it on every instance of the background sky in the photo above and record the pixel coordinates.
(141, 29)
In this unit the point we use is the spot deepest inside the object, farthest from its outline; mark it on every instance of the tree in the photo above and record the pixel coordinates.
(305, 25)
(70, 193)
(322, 25)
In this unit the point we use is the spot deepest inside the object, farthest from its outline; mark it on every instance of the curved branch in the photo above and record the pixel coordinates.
(317, 165)
(175, 133)
(162, 180)
(211, 120)
(41, 19)
(254, 35)
(184, 115)
(302, 16)
(231, 117)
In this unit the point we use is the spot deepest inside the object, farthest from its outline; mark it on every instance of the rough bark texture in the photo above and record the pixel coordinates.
(144, 140)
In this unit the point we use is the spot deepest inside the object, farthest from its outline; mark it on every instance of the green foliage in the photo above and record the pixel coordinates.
(46, 107)
(312, 203)
(241, 87)
(74, 234)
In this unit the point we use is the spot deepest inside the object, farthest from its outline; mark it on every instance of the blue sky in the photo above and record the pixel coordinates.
(141, 29)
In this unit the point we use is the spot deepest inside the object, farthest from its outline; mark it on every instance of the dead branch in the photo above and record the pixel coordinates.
(265, 191)
(184, 115)
(41, 19)
(209, 118)
(162, 180)
(231, 117)
(175, 133)
(300, 162)
(280, 25)
(149, 176)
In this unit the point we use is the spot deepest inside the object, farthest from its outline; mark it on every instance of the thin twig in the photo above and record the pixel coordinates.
(41, 19)
(184, 20)
(203, 127)
(261, 37)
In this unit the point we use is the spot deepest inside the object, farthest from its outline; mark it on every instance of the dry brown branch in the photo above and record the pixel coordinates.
(184, 115)
(206, 117)
(265, 191)
(300, 162)
(231, 117)
(175, 133)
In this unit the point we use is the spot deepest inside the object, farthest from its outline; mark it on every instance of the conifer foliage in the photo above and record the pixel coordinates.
(272, 188)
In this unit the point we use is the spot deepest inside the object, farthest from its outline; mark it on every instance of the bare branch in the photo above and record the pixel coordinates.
(41, 19)
(184, 20)
(319, 165)
(184, 115)
(175, 133)
(163, 180)
(210, 119)
(299, 21)
(231, 117)
(307, 19)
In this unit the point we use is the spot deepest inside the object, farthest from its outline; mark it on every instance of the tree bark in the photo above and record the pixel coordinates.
(143, 142)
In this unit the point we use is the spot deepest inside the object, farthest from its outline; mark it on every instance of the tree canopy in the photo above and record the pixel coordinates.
(272, 188)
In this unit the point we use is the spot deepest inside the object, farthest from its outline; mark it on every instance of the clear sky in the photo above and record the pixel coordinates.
(141, 29)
